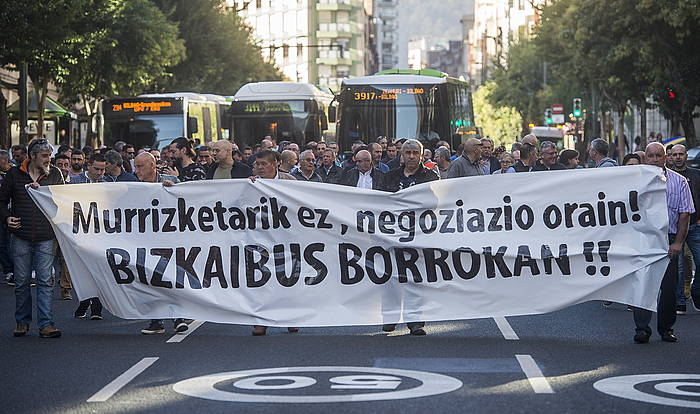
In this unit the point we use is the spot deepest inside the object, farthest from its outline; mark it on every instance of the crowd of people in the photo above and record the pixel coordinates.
(30, 257)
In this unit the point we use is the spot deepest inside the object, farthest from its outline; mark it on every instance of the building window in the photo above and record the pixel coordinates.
(258, 4)
(300, 50)
(285, 51)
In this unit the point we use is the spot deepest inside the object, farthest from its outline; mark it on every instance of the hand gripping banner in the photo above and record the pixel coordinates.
(286, 253)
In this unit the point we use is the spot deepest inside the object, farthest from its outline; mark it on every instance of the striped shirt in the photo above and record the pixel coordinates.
(678, 199)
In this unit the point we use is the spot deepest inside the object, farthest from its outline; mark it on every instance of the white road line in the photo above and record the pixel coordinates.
(113, 387)
(506, 329)
(180, 336)
(538, 381)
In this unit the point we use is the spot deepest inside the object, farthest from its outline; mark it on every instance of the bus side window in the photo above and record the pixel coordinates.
(206, 118)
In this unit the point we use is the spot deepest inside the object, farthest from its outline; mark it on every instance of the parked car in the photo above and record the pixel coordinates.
(694, 157)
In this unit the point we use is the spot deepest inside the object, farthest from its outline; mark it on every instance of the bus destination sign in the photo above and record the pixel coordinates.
(142, 106)
(387, 94)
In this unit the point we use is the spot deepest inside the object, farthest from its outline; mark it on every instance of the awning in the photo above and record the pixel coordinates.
(51, 108)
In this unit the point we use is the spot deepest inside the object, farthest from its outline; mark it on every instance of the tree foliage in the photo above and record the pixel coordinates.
(500, 123)
(221, 55)
(623, 51)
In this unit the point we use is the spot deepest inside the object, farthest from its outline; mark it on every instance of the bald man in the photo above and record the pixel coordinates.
(468, 164)
(145, 168)
(289, 161)
(225, 166)
(679, 202)
(528, 154)
(363, 175)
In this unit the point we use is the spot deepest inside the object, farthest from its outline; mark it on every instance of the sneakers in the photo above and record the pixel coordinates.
(32, 282)
(418, 332)
(681, 309)
(95, 309)
(81, 312)
(641, 337)
(21, 330)
(180, 325)
(155, 327)
(49, 331)
(389, 327)
(10, 279)
(292, 330)
(65, 294)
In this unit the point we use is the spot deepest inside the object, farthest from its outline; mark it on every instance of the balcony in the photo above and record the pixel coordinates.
(333, 5)
(333, 57)
(334, 30)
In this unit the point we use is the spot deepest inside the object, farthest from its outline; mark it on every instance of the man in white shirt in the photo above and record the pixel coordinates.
(362, 175)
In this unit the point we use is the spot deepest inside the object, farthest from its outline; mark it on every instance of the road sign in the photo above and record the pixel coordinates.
(557, 108)
(558, 118)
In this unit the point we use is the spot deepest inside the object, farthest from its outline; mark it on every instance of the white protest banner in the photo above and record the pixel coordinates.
(286, 253)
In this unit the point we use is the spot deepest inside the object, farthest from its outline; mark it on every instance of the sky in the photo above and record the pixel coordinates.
(440, 19)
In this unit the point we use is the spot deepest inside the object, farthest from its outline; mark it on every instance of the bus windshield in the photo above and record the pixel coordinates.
(394, 111)
(153, 131)
(286, 120)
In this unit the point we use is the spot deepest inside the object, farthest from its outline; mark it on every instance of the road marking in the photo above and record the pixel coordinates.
(506, 329)
(538, 381)
(314, 390)
(668, 389)
(113, 387)
(456, 365)
(180, 336)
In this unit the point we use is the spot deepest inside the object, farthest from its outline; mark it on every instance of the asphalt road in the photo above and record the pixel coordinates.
(545, 363)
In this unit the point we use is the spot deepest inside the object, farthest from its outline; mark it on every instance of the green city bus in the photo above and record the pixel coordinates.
(424, 104)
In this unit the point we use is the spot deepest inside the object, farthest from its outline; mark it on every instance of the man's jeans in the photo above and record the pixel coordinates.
(39, 257)
(693, 242)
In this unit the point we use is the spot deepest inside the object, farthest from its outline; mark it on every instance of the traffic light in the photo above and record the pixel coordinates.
(548, 116)
(670, 94)
(577, 108)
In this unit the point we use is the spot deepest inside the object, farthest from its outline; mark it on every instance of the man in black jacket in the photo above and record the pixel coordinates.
(412, 172)
(328, 170)
(225, 166)
(363, 175)
(32, 240)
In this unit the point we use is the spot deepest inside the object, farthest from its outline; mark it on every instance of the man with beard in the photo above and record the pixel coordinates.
(224, 166)
(182, 151)
(77, 162)
(33, 240)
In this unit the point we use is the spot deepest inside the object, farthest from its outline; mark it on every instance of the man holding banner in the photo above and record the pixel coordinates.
(33, 241)
(411, 173)
(680, 205)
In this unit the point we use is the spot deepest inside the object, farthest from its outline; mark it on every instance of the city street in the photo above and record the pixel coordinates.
(528, 364)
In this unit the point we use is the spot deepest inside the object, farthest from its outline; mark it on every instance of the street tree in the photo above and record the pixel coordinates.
(221, 53)
(501, 123)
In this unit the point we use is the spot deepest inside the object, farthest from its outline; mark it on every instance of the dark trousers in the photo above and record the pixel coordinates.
(6, 265)
(667, 301)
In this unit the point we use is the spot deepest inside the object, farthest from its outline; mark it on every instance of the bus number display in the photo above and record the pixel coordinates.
(387, 94)
(140, 106)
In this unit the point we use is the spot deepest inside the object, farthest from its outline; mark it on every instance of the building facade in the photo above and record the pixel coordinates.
(313, 41)
(489, 26)
(387, 20)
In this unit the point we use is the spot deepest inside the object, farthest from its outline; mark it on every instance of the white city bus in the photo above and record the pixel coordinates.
(291, 111)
